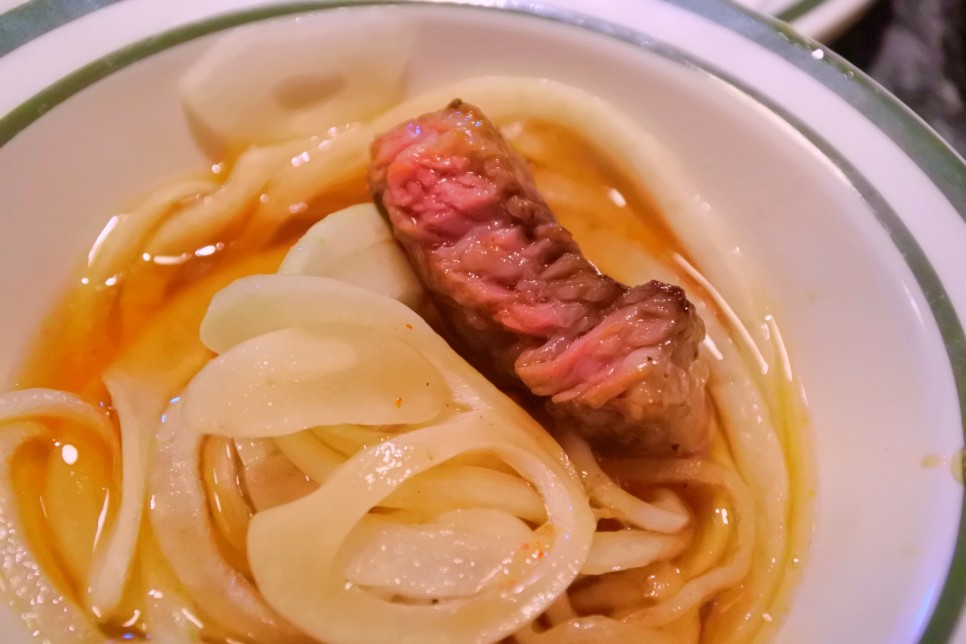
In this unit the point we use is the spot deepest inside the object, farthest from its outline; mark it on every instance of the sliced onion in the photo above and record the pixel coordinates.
(255, 305)
(122, 240)
(205, 221)
(167, 616)
(312, 172)
(467, 486)
(230, 510)
(284, 80)
(113, 557)
(736, 562)
(356, 246)
(313, 457)
(626, 549)
(182, 524)
(293, 379)
(349, 439)
(43, 607)
(268, 476)
(30, 404)
(628, 507)
(448, 487)
(595, 629)
(454, 555)
(138, 405)
(140, 383)
(293, 548)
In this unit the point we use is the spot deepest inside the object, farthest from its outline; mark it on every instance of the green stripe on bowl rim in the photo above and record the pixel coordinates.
(25, 22)
(798, 10)
(937, 160)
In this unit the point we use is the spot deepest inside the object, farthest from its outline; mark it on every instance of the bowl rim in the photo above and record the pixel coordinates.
(799, 9)
(918, 141)
(24, 22)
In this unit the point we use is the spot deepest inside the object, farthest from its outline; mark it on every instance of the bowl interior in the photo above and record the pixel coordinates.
(859, 331)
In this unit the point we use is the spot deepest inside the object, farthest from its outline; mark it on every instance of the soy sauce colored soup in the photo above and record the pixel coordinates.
(318, 464)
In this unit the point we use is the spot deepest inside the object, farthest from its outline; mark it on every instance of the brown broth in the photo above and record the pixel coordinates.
(92, 325)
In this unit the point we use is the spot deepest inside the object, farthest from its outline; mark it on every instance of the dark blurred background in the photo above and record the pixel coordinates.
(917, 50)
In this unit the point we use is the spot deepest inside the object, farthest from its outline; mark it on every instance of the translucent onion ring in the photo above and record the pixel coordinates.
(41, 604)
(293, 549)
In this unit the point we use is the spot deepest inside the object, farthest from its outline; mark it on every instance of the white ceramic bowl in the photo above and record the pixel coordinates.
(819, 19)
(851, 208)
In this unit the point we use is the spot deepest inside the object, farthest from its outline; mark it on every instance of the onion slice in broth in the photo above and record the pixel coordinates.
(293, 548)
